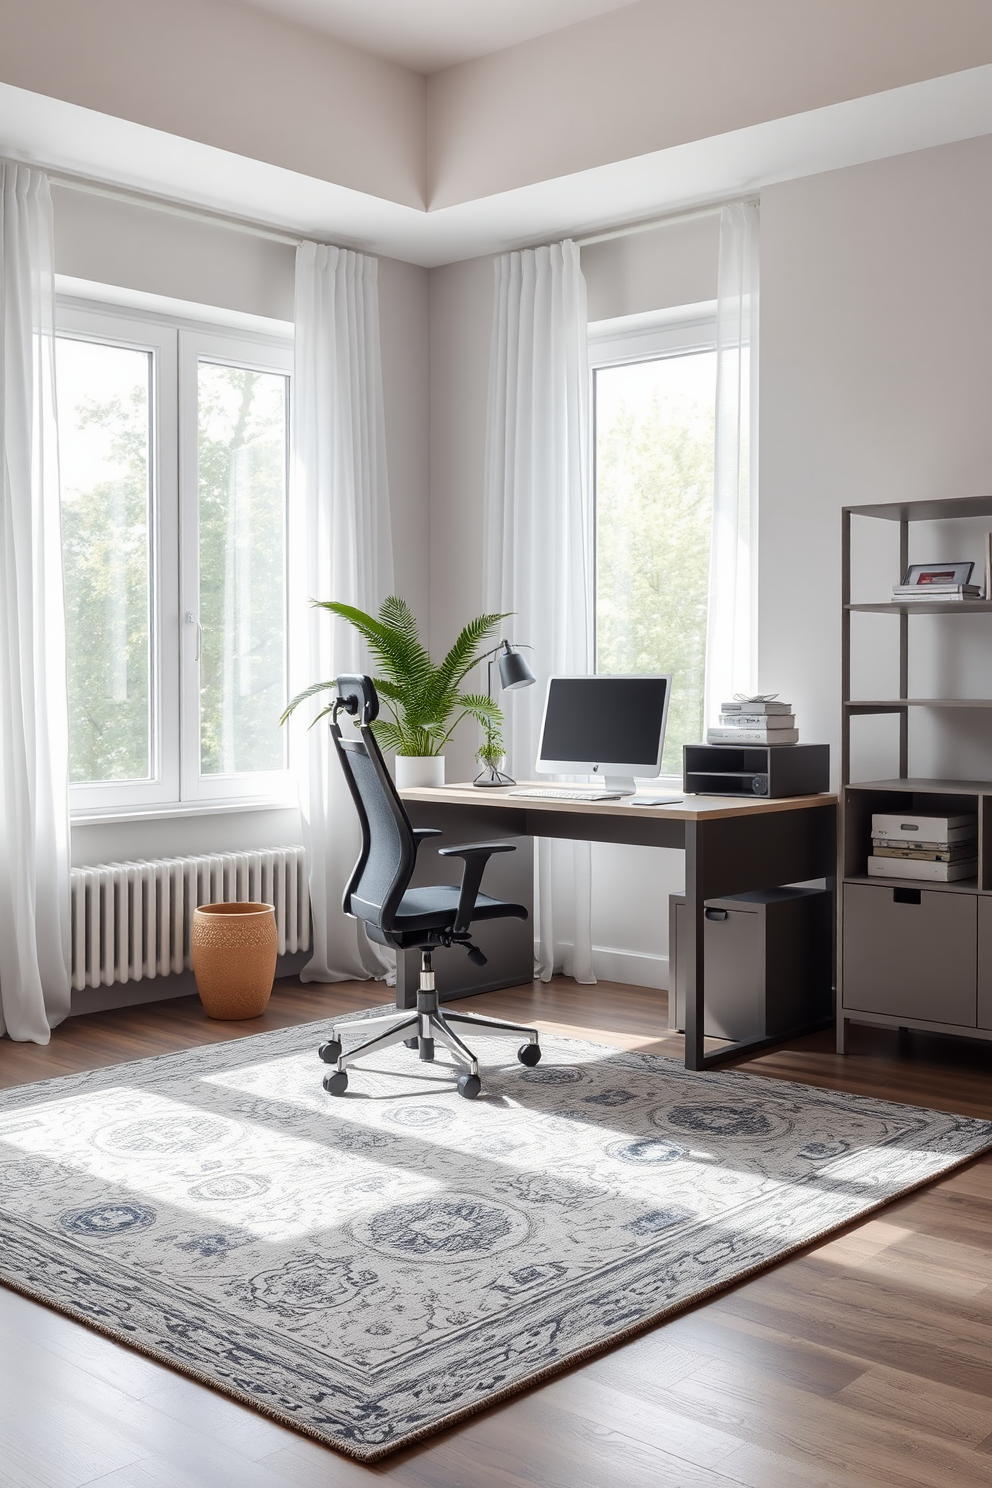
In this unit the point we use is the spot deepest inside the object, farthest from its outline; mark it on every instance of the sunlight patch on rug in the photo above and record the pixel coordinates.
(369, 1269)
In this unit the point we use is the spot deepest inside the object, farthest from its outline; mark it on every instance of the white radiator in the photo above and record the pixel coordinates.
(134, 920)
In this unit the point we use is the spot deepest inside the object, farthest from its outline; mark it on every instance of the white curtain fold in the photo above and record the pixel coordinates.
(341, 549)
(34, 753)
(538, 540)
(731, 633)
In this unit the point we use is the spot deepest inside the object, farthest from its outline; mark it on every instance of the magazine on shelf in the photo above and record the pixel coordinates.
(755, 705)
(752, 736)
(757, 720)
(955, 853)
(934, 872)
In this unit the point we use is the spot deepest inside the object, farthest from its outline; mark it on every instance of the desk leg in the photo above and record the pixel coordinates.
(694, 976)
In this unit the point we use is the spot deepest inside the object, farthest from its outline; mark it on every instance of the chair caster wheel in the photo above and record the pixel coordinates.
(330, 1052)
(529, 1054)
(337, 1083)
(469, 1086)
(413, 1043)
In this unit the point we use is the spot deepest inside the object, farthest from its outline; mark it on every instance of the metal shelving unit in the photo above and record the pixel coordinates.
(912, 953)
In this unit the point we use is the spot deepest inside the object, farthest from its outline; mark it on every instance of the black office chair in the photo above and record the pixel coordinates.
(379, 894)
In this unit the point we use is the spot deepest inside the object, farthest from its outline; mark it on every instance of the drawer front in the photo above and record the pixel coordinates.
(985, 963)
(911, 959)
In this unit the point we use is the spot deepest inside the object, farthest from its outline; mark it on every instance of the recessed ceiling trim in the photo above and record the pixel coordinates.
(68, 139)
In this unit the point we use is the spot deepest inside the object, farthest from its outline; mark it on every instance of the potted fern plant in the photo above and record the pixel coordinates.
(425, 700)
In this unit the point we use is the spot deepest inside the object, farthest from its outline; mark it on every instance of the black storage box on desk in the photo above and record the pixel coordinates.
(755, 769)
(768, 958)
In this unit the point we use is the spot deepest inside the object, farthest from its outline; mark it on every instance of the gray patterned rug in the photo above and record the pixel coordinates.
(370, 1269)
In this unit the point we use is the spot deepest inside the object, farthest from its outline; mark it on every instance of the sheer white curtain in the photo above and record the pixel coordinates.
(538, 539)
(341, 549)
(732, 619)
(34, 774)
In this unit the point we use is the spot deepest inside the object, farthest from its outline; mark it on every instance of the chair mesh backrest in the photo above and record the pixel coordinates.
(386, 864)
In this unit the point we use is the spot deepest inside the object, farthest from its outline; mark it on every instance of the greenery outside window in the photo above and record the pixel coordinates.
(174, 466)
(654, 394)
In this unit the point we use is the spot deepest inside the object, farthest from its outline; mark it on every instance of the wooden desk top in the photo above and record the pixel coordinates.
(692, 808)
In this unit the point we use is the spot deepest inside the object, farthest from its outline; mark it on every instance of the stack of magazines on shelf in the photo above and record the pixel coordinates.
(755, 720)
(926, 583)
(940, 848)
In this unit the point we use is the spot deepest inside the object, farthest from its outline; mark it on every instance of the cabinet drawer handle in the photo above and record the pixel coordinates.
(907, 896)
(716, 914)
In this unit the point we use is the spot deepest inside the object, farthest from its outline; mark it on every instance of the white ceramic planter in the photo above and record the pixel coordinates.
(419, 769)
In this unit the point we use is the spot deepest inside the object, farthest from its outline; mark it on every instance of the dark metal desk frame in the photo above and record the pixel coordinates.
(730, 844)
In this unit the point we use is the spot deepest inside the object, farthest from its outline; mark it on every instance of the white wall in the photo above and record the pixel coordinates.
(461, 299)
(652, 270)
(876, 384)
(114, 242)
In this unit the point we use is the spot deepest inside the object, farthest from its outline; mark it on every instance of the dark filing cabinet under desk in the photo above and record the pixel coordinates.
(768, 962)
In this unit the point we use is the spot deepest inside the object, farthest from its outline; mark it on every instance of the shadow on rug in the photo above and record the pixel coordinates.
(373, 1268)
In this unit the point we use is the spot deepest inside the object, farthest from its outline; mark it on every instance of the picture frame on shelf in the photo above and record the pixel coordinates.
(923, 575)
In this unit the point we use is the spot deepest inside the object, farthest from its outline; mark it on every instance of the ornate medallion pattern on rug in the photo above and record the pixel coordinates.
(369, 1269)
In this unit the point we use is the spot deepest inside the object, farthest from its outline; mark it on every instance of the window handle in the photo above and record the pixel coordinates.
(192, 620)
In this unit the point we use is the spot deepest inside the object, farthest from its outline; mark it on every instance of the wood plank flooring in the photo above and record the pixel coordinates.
(864, 1362)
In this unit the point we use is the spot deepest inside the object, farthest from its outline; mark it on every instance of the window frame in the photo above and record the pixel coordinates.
(227, 350)
(162, 785)
(177, 344)
(656, 336)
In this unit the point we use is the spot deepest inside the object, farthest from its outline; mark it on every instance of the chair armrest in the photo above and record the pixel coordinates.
(476, 856)
(476, 849)
(420, 833)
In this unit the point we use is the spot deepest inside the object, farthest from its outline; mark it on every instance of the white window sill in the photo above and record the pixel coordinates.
(92, 817)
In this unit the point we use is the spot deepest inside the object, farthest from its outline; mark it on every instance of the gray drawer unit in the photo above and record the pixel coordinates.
(768, 962)
(911, 953)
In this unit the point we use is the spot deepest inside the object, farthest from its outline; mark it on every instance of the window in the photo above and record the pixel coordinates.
(173, 447)
(654, 393)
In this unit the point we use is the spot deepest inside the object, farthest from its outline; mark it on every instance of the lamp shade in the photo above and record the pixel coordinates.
(513, 669)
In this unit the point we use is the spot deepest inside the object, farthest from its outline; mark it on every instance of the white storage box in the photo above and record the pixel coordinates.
(908, 828)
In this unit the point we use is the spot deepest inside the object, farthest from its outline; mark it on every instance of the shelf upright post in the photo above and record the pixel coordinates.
(845, 768)
(845, 647)
(903, 655)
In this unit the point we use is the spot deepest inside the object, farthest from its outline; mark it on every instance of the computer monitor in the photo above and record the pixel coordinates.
(611, 727)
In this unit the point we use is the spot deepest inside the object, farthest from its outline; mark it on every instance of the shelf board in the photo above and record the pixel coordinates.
(923, 606)
(912, 785)
(926, 511)
(893, 705)
(960, 885)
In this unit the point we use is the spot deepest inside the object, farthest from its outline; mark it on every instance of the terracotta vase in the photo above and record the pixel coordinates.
(234, 958)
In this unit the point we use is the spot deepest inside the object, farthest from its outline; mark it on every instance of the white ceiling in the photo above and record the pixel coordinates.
(430, 34)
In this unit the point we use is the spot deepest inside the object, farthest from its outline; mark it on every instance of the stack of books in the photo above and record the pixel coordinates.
(754, 721)
(940, 848)
(921, 593)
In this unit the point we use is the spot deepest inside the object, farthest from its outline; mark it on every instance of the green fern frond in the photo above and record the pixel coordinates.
(301, 697)
(468, 646)
(425, 700)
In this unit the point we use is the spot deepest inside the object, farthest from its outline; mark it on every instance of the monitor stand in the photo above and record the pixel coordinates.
(624, 784)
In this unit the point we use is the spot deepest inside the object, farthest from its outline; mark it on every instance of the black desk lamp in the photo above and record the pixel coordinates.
(513, 672)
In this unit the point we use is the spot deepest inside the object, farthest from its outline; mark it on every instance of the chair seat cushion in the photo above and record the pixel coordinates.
(433, 907)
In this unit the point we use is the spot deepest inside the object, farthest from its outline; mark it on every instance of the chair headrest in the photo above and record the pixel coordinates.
(357, 696)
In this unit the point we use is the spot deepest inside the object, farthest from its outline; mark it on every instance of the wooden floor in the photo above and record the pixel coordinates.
(865, 1361)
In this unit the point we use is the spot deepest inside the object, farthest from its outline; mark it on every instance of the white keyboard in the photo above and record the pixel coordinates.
(559, 794)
